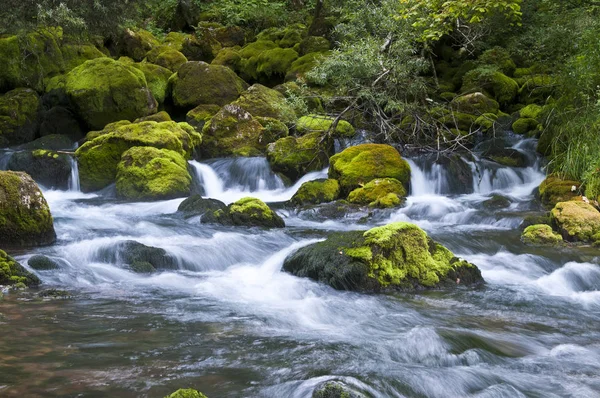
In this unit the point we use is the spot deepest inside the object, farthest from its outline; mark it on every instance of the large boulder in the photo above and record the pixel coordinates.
(362, 163)
(499, 86)
(200, 115)
(317, 191)
(50, 169)
(233, 131)
(167, 57)
(540, 235)
(18, 116)
(475, 104)
(25, 218)
(576, 221)
(98, 158)
(249, 212)
(262, 101)
(296, 156)
(136, 43)
(147, 173)
(398, 256)
(380, 192)
(13, 273)
(197, 83)
(157, 78)
(103, 90)
(554, 189)
(312, 123)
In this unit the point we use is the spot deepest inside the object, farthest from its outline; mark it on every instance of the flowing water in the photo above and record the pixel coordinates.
(231, 324)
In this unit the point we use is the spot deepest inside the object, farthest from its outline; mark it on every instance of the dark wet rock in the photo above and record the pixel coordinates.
(249, 212)
(47, 168)
(42, 263)
(196, 205)
(138, 257)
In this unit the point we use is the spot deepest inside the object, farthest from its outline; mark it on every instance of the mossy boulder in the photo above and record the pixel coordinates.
(316, 192)
(167, 57)
(200, 115)
(304, 64)
(157, 78)
(60, 120)
(201, 46)
(265, 61)
(554, 189)
(274, 129)
(138, 257)
(13, 273)
(48, 168)
(398, 256)
(42, 263)
(499, 58)
(296, 156)
(262, 101)
(147, 173)
(196, 205)
(537, 89)
(525, 126)
(136, 43)
(25, 218)
(19, 111)
(289, 36)
(233, 131)
(198, 83)
(496, 202)
(159, 117)
(475, 104)
(186, 393)
(361, 164)
(229, 57)
(76, 54)
(380, 192)
(535, 219)
(103, 90)
(506, 156)
(314, 44)
(540, 235)
(576, 221)
(249, 212)
(531, 111)
(99, 156)
(312, 123)
(501, 87)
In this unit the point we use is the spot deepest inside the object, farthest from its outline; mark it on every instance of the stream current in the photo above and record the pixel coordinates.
(229, 323)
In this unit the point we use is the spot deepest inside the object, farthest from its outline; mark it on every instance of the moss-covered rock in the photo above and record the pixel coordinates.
(157, 78)
(312, 123)
(76, 54)
(147, 173)
(198, 83)
(531, 111)
(104, 90)
(380, 192)
(196, 205)
(249, 212)
(13, 273)
(334, 389)
(363, 163)
(229, 57)
(274, 129)
(42, 263)
(496, 202)
(475, 104)
(537, 89)
(259, 100)
(316, 192)
(200, 115)
(576, 221)
(167, 57)
(296, 156)
(159, 117)
(501, 87)
(136, 43)
(48, 168)
(201, 46)
(275, 62)
(506, 156)
(540, 235)
(304, 64)
(19, 111)
(289, 36)
(525, 126)
(398, 256)
(554, 189)
(233, 131)
(25, 218)
(314, 44)
(499, 58)
(99, 156)
(186, 393)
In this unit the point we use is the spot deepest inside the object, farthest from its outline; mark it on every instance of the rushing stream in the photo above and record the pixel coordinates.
(231, 324)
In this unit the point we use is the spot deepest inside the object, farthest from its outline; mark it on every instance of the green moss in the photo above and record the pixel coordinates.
(13, 273)
(486, 121)
(301, 66)
(262, 101)
(577, 221)
(284, 37)
(501, 87)
(274, 129)
(475, 104)
(157, 79)
(233, 131)
(363, 163)
(525, 125)
(296, 156)
(103, 91)
(312, 123)
(136, 43)
(25, 218)
(249, 212)
(380, 192)
(229, 57)
(496, 202)
(167, 57)
(201, 114)
(554, 189)
(537, 89)
(315, 192)
(198, 83)
(500, 58)
(186, 393)
(531, 111)
(76, 54)
(314, 44)
(275, 62)
(98, 158)
(42, 263)
(460, 121)
(159, 117)
(18, 116)
(147, 173)
(540, 235)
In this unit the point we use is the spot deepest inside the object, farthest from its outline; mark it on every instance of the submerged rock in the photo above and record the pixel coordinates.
(540, 235)
(576, 221)
(398, 256)
(316, 192)
(25, 218)
(334, 389)
(42, 263)
(138, 257)
(13, 273)
(249, 212)
(186, 393)
(363, 163)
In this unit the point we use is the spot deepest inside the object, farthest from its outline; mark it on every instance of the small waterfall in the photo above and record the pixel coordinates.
(5, 158)
(433, 181)
(74, 177)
